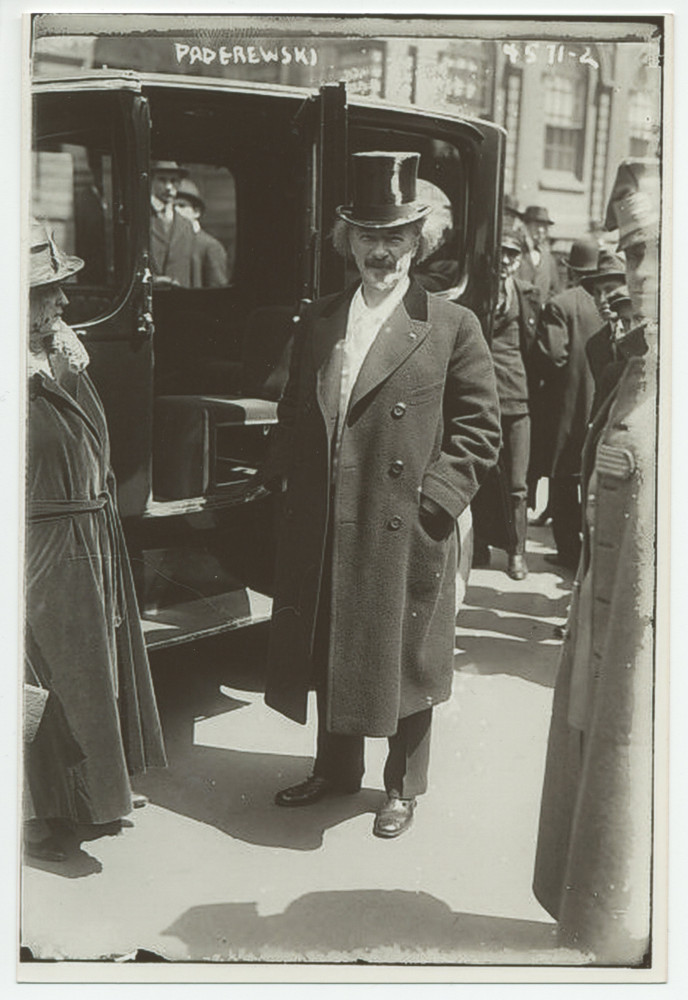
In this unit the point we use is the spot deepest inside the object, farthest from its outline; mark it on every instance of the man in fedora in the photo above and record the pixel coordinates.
(594, 851)
(567, 322)
(209, 259)
(171, 235)
(387, 426)
(513, 346)
(608, 349)
(538, 266)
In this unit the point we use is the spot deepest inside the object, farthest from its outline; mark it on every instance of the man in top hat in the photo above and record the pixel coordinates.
(538, 267)
(209, 259)
(171, 235)
(594, 851)
(567, 322)
(513, 345)
(387, 426)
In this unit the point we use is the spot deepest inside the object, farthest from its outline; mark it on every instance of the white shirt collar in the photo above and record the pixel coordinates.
(379, 313)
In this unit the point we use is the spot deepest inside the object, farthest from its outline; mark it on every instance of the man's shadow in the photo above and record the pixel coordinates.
(233, 790)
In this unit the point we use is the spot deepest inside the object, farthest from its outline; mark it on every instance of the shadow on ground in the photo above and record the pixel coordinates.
(352, 925)
(233, 790)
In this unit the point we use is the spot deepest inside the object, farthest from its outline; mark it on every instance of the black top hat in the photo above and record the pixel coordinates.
(384, 191)
(537, 213)
(583, 257)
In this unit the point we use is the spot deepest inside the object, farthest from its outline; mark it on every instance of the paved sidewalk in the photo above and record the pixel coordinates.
(212, 870)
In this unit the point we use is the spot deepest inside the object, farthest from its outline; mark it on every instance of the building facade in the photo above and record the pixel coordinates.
(572, 109)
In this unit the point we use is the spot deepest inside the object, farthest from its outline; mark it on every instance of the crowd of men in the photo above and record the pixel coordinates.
(551, 342)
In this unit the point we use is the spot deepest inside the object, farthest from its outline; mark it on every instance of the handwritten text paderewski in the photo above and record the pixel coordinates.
(246, 54)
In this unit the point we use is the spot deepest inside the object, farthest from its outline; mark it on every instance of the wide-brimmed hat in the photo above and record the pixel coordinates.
(634, 204)
(384, 186)
(187, 189)
(167, 166)
(48, 263)
(511, 206)
(583, 257)
(511, 239)
(609, 265)
(537, 213)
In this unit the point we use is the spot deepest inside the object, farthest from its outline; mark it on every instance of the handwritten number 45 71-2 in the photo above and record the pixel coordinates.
(556, 53)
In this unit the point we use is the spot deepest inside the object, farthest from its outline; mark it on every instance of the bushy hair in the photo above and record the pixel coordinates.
(429, 238)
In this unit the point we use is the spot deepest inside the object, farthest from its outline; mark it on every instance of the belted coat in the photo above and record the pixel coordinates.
(83, 634)
(423, 418)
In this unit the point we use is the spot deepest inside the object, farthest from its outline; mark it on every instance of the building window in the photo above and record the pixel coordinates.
(466, 78)
(565, 98)
(641, 129)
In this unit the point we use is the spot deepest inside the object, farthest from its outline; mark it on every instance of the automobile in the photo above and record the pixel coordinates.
(190, 376)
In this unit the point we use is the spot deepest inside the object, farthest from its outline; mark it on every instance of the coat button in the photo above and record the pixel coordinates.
(394, 523)
(398, 410)
(396, 468)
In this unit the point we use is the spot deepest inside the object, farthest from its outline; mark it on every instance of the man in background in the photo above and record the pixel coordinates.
(172, 236)
(538, 266)
(209, 258)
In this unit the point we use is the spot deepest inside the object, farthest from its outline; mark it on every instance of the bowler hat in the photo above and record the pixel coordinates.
(187, 189)
(609, 265)
(168, 166)
(511, 206)
(48, 263)
(634, 203)
(583, 257)
(537, 213)
(384, 186)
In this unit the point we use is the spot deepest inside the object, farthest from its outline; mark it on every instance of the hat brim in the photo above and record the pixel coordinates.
(604, 275)
(67, 266)
(345, 212)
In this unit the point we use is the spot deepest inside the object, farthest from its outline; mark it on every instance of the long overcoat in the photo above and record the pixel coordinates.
(493, 516)
(84, 641)
(593, 857)
(562, 407)
(423, 418)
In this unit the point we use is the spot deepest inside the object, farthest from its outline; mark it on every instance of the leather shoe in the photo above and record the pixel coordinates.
(138, 800)
(516, 568)
(312, 790)
(394, 817)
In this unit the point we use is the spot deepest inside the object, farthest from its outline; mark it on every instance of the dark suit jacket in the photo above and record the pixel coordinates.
(172, 250)
(545, 276)
(566, 324)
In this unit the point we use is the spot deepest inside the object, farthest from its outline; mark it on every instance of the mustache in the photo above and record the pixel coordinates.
(380, 264)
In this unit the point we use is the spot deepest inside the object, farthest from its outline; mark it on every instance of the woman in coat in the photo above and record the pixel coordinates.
(83, 636)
